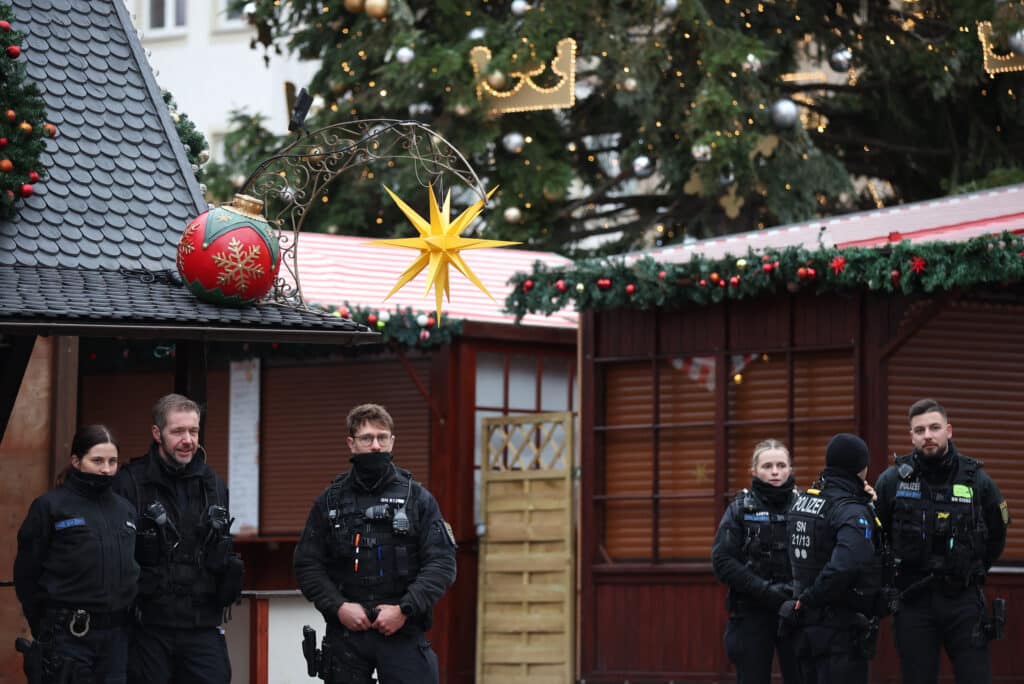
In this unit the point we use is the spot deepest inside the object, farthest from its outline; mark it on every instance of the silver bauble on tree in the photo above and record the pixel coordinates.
(785, 113)
(519, 7)
(513, 142)
(752, 63)
(701, 152)
(643, 166)
(841, 58)
(1016, 42)
(513, 215)
(405, 54)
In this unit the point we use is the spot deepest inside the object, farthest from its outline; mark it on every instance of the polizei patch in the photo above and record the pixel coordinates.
(810, 505)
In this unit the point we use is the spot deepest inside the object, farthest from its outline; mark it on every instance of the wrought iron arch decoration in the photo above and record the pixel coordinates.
(289, 182)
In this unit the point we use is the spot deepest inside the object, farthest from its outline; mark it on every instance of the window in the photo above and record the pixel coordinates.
(229, 15)
(166, 15)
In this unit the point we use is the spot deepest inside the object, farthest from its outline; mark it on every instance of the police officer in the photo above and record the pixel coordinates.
(836, 569)
(750, 555)
(374, 558)
(75, 571)
(189, 573)
(947, 523)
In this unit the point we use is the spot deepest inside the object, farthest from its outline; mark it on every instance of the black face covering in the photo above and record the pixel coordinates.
(773, 495)
(372, 466)
(93, 483)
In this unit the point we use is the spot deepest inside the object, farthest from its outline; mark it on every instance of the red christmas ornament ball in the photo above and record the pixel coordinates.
(527, 285)
(801, 273)
(702, 282)
(811, 273)
(714, 277)
(604, 283)
(560, 285)
(50, 130)
(33, 177)
(3, 143)
(424, 335)
(766, 267)
(431, 321)
(734, 281)
(27, 190)
(229, 255)
(662, 275)
(371, 319)
(13, 51)
(11, 115)
(6, 166)
(895, 275)
(630, 289)
(5, 26)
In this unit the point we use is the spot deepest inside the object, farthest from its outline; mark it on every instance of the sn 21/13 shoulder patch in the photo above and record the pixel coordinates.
(449, 533)
(1004, 511)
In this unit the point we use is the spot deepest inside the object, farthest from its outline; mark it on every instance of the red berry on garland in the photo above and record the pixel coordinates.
(27, 190)
(560, 285)
(3, 143)
(801, 273)
(345, 313)
(50, 130)
(703, 283)
(424, 335)
(811, 273)
(527, 285)
(371, 319)
(630, 289)
(734, 281)
(714, 277)
(11, 115)
(838, 264)
(766, 267)
(33, 177)
(895, 275)
(6, 166)
(765, 259)
(722, 282)
(5, 26)
(662, 275)
(917, 264)
(431, 321)
(13, 51)
(604, 283)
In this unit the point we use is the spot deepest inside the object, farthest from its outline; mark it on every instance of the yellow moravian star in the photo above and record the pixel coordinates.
(439, 243)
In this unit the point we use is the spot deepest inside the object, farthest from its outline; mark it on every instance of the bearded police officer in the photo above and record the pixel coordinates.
(947, 523)
(836, 569)
(189, 572)
(374, 558)
(751, 556)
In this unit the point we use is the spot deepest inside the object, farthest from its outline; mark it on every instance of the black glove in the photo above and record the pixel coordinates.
(778, 593)
(789, 617)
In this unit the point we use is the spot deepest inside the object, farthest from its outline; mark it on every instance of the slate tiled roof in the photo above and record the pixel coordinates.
(120, 188)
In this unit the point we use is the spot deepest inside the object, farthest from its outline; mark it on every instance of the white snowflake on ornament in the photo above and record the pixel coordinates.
(240, 266)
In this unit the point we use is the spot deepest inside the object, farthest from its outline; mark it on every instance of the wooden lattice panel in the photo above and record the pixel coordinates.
(525, 613)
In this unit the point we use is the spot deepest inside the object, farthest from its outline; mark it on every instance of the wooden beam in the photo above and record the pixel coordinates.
(190, 376)
(15, 351)
(259, 649)
(65, 401)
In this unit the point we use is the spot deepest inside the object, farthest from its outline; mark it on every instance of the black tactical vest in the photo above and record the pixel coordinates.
(765, 540)
(938, 529)
(373, 554)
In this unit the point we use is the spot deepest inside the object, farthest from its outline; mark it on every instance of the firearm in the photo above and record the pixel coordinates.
(890, 596)
(309, 651)
(33, 657)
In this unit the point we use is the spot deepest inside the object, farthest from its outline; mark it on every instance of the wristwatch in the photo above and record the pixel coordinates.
(406, 609)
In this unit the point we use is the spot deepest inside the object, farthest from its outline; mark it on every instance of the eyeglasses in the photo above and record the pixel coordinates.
(367, 440)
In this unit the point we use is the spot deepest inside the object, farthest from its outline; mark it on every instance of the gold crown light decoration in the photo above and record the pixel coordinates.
(996, 63)
(526, 95)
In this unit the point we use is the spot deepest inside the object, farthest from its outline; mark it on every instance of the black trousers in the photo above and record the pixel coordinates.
(403, 658)
(172, 655)
(932, 620)
(751, 640)
(828, 654)
(97, 657)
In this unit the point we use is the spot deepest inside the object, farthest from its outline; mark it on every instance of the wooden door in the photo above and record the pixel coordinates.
(526, 602)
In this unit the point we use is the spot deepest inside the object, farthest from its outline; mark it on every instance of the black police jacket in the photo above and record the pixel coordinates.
(176, 588)
(833, 545)
(750, 551)
(76, 549)
(350, 552)
(944, 516)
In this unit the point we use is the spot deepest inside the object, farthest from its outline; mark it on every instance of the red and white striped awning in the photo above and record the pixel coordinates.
(334, 269)
(951, 219)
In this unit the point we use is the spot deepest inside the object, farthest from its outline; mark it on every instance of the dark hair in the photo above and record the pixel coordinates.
(86, 438)
(172, 402)
(922, 406)
(368, 413)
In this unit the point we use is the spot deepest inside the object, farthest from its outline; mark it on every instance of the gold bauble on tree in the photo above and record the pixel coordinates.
(354, 6)
(378, 9)
(496, 79)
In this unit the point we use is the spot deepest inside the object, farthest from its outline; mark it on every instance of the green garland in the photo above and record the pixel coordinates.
(414, 329)
(196, 148)
(22, 125)
(904, 267)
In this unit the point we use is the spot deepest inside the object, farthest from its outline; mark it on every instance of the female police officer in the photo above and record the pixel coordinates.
(750, 555)
(75, 572)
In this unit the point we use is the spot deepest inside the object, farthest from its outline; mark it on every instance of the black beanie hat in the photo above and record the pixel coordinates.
(847, 452)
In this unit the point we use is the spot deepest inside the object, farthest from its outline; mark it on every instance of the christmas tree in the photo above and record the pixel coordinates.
(679, 117)
(22, 125)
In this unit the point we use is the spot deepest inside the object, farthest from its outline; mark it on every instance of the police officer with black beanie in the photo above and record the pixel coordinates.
(836, 569)
(947, 522)
(374, 558)
(750, 555)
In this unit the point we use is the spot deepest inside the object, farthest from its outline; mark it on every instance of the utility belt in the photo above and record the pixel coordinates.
(946, 584)
(78, 621)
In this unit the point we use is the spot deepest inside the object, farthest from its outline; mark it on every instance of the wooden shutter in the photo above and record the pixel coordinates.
(303, 430)
(968, 358)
